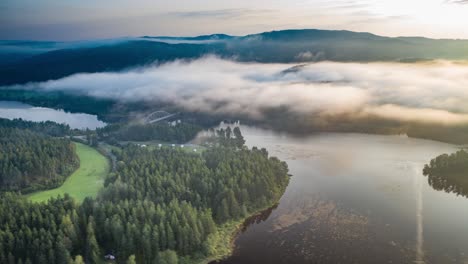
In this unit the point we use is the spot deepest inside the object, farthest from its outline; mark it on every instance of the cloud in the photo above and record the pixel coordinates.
(433, 92)
(462, 2)
(309, 56)
(407, 114)
(220, 13)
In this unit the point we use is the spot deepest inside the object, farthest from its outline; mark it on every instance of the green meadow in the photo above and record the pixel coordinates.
(84, 182)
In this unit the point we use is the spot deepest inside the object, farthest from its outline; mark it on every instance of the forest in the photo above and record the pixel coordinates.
(159, 206)
(226, 137)
(449, 173)
(47, 127)
(163, 131)
(32, 161)
(67, 101)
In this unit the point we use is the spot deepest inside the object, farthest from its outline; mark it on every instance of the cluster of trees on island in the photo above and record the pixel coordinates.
(449, 173)
(226, 137)
(159, 206)
(32, 161)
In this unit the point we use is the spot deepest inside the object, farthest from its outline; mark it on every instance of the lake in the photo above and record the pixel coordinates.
(355, 198)
(12, 110)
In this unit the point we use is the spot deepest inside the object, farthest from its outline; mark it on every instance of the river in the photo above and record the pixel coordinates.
(12, 110)
(355, 198)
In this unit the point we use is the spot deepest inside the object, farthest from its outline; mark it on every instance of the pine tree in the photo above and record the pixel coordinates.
(78, 260)
(167, 257)
(61, 253)
(92, 248)
(131, 260)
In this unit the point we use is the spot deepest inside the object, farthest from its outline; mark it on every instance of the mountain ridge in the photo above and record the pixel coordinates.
(283, 46)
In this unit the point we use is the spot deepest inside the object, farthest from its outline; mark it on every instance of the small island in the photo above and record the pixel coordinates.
(449, 173)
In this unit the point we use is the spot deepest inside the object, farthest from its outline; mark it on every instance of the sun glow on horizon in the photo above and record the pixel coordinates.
(54, 20)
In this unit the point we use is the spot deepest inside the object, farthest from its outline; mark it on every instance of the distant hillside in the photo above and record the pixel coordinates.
(317, 45)
(61, 63)
(212, 37)
(277, 46)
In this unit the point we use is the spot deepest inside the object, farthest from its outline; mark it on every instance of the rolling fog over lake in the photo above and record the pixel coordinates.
(355, 198)
(13, 110)
(323, 92)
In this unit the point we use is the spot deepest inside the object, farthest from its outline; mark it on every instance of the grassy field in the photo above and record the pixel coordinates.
(85, 181)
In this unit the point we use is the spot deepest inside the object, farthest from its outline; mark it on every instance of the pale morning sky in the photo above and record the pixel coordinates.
(92, 19)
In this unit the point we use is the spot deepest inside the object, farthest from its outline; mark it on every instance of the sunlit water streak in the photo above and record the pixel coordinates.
(418, 186)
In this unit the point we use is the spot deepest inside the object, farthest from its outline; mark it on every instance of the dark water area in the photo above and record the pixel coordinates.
(14, 110)
(355, 198)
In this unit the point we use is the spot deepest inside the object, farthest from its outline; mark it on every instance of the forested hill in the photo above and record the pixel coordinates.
(30, 161)
(276, 46)
(60, 63)
(161, 206)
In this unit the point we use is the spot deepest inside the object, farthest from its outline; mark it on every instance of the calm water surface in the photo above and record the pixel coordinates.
(12, 110)
(355, 198)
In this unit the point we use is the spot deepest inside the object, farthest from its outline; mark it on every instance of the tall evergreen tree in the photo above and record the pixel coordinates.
(92, 248)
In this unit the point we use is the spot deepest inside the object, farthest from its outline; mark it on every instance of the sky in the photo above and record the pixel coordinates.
(92, 19)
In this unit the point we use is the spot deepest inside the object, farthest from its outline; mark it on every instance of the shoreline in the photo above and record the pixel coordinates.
(232, 230)
(454, 140)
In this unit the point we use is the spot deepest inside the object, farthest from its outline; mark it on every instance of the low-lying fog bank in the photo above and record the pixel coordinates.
(323, 96)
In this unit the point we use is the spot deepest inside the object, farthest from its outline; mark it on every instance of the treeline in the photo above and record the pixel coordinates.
(39, 232)
(449, 173)
(226, 137)
(46, 127)
(30, 161)
(105, 109)
(160, 206)
(164, 131)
